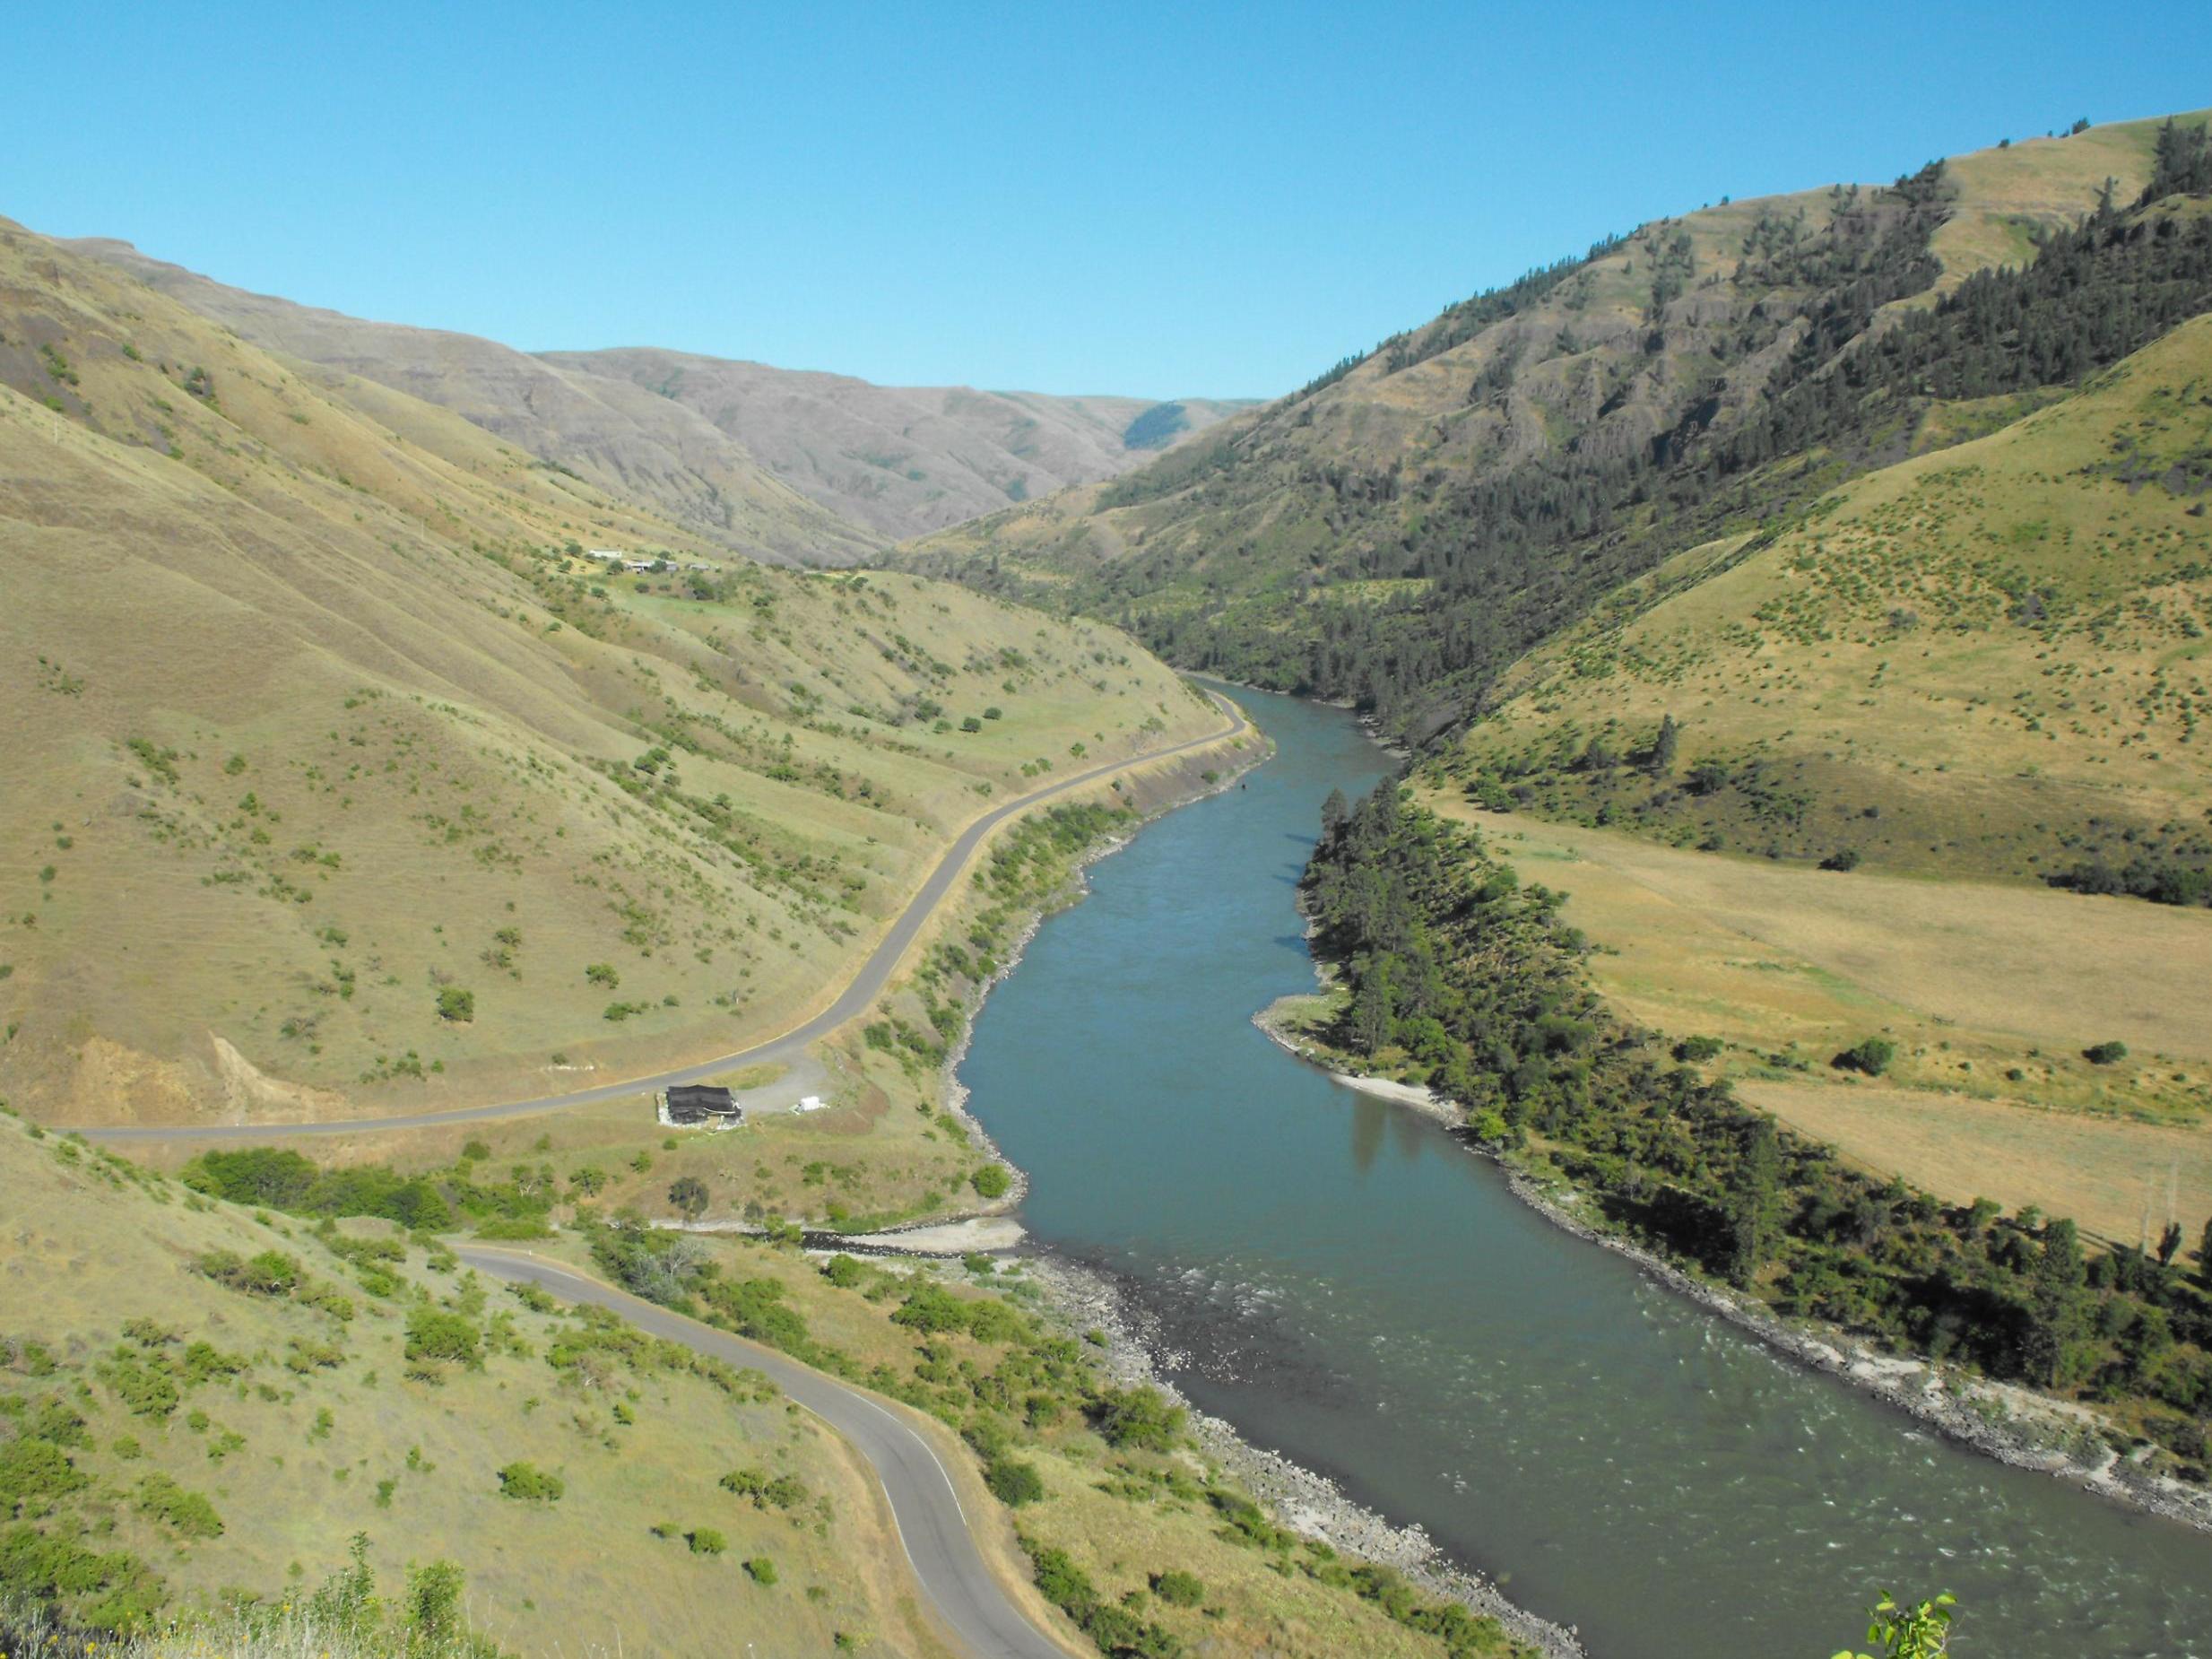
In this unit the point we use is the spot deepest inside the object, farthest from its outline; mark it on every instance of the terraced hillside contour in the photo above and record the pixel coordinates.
(336, 765)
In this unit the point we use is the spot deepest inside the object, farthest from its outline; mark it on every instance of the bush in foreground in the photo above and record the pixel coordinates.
(528, 1483)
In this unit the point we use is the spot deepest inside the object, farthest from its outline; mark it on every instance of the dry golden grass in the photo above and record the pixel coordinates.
(382, 731)
(2038, 184)
(2034, 966)
(1876, 656)
(1787, 966)
(2122, 1181)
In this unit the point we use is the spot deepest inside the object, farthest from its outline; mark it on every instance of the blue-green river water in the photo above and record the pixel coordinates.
(1347, 1286)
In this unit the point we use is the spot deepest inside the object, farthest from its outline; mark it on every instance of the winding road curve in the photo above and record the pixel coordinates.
(926, 1510)
(790, 1048)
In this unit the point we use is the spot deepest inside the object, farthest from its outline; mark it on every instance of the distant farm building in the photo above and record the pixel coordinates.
(606, 555)
(699, 1105)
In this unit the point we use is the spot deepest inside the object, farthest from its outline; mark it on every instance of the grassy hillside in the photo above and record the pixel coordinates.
(776, 463)
(647, 449)
(901, 461)
(332, 769)
(1989, 994)
(199, 1402)
(1988, 660)
(1403, 528)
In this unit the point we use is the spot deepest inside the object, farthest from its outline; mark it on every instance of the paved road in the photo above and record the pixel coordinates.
(789, 1049)
(930, 1523)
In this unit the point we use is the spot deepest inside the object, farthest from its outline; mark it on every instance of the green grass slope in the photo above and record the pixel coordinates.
(197, 1403)
(1991, 659)
(329, 764)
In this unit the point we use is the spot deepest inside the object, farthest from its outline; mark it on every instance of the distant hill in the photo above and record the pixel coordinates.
(647, 449)
(318, 711)
(1399, 530)
(904, 460)
(742, 454)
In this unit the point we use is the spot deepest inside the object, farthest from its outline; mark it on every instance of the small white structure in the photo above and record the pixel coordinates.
(606, 555)
(809, 1103)
(639, 566)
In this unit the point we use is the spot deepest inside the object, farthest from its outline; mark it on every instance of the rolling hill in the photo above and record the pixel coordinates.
(1399, 530)
(776, 463)
(1988, 659)
(333, 767)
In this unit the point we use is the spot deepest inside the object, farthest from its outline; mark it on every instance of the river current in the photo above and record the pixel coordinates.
(1344, 1283)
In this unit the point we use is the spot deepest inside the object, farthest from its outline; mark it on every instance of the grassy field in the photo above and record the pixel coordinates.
(1991, 992)
(332, 776)
(298, 1429)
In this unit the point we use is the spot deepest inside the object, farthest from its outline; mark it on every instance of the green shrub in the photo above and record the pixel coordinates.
(992, 1181)
(513, 1227)
(270, 1273)
(436, 1334)
(2104, 1053)
(456, 1005)
(528, 1483)
(930, 1309)
(1871, 1056)
(1179, 1589)
(1014, 1483)
(706, 1540)
(1138, 1417)
(762, 1570)
(1691, 1049)
(845, 1272)
(188, 1513)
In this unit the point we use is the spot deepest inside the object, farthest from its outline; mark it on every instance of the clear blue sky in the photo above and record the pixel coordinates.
(1133, 197)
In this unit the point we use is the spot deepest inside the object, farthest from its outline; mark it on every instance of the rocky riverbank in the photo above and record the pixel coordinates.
(1307, 1503)
(1135, 1350)
(2013, 1425)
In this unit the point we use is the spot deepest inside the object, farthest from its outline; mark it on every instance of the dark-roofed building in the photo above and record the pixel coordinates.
(697, 1105)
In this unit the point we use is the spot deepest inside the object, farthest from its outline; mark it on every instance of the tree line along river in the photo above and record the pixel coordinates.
(1337, 1277)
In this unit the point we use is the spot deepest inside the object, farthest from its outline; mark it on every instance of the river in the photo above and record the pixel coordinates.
(1340, 1280)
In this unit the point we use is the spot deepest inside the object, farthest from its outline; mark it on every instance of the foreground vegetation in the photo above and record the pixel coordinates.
(1149, 1548)
(1457, 976)
(203, 1403)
